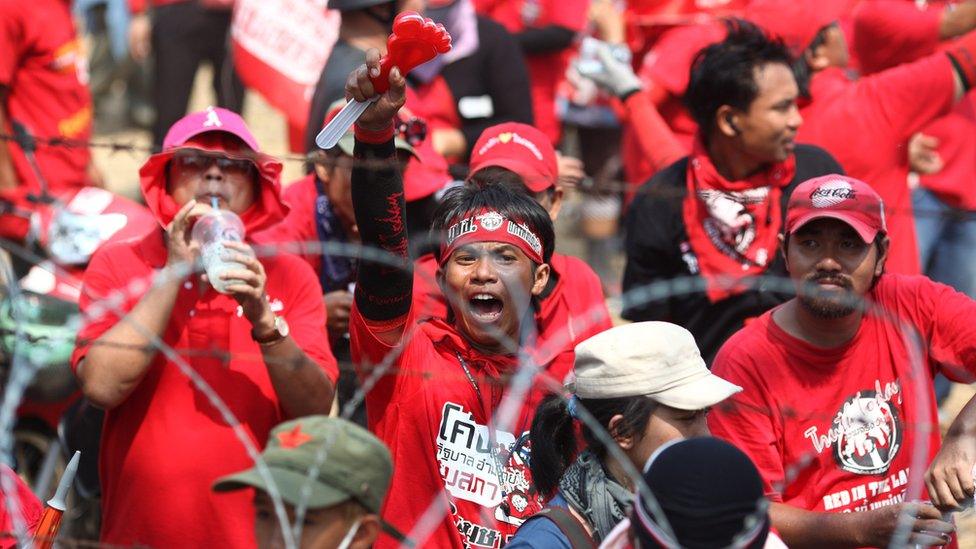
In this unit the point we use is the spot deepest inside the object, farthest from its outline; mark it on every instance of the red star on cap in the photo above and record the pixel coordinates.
(294, 438)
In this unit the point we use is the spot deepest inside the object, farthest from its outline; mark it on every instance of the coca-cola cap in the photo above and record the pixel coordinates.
(837, 197)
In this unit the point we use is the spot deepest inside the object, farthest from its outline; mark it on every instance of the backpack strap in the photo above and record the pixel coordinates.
(569, 525)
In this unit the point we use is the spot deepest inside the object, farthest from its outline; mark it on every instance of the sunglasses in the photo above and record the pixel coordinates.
(199, 162)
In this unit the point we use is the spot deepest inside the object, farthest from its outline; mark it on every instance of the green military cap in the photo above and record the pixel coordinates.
(352, 464)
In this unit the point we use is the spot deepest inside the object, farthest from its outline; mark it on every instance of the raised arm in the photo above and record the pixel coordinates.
(383, 292)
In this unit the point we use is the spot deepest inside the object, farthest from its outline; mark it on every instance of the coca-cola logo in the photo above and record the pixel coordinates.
(831, 194)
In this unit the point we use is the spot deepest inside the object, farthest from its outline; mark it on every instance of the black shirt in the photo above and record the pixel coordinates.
(657, 249)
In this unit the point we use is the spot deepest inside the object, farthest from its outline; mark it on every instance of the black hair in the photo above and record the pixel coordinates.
(725, 73)
(510, 204)
(497, 175)
(554, 433)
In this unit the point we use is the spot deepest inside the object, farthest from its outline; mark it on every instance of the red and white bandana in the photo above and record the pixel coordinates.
(490, 226)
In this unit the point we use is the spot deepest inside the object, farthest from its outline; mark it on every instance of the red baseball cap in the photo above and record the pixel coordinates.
(837, 197)
(797, 22)
(519, 148)
(211, 119)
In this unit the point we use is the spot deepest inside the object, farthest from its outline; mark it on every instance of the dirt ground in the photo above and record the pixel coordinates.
(121, 174)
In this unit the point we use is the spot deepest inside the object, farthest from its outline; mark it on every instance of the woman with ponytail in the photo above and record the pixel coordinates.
(636, 387)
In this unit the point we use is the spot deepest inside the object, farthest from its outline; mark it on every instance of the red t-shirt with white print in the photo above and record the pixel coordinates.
(435, 423)
(165, 444)
(836, 429)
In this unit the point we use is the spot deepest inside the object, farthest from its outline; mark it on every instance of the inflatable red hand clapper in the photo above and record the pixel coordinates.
(415, 40)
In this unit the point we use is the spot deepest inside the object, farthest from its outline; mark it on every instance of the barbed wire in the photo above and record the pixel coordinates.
(516, 384)
(588, 185)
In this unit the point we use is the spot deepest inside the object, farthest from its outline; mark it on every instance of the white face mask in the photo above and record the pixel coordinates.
(347, 540)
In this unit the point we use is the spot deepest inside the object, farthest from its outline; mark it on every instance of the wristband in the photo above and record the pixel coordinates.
(374, 137)
(963, 58)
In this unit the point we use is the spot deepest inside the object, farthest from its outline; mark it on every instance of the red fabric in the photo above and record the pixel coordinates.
(279, 48)
(298, 227)
(797, 22)
(956, 133)
(865, 125)
(657, 145)
(918, 31)
(546, 70)
(720, 260)
(28, 506)
(796, 395)
(666, 67)
(877, 21)
(139, 6)
(165, 444)
(44, 69)
(432, 419)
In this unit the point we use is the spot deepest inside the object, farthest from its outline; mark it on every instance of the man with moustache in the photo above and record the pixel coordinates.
(836, 391)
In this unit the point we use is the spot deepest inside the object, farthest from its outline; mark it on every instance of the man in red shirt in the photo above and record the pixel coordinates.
(836, 409)
(461, 474)
(866, 123)
(572, 307)
(193, 379)
(43, 89)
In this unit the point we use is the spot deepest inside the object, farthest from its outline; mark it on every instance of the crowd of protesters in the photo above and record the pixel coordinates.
(790, 181)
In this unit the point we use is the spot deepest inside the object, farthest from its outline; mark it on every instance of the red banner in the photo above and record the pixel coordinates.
(280, 47)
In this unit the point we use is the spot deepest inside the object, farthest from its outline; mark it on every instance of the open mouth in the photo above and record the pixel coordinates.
(485, 308)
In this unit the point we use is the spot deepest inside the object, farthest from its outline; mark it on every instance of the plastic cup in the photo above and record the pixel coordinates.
(211, 231)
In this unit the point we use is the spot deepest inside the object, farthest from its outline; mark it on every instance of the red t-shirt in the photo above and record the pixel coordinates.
(876, 22)
(164, 446)
(836, 429)
(574, 311)
(28, 506)
(546, 70)
(434, 421)
(918, 35)
(44, 69)
(865, 124)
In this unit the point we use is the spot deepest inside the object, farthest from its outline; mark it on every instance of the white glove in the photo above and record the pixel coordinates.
(615, 75)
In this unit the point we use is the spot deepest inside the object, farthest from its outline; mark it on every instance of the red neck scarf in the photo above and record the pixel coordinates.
(732, 225)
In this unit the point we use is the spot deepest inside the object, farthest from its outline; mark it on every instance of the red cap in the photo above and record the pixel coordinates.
(521, 149)
(837, 197)
(797, 22)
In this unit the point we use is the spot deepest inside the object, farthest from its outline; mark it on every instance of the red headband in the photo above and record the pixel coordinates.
(490, 226)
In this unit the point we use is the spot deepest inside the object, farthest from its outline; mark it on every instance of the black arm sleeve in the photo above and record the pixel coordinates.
(545, 39)
(383, 292)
